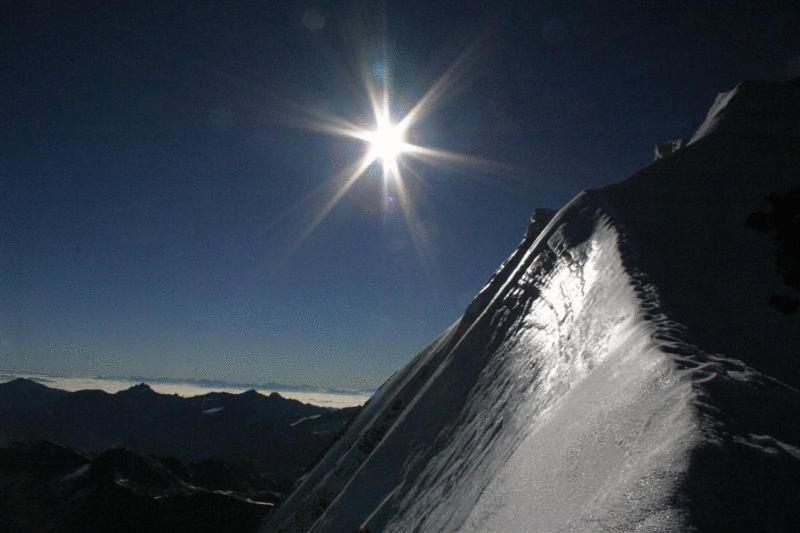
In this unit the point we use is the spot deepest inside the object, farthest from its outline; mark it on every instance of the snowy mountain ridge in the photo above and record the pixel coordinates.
(622, 371)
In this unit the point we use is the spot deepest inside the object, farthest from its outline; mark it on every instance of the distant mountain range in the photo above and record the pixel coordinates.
(278, 437)
(217, 383)
(203, 383)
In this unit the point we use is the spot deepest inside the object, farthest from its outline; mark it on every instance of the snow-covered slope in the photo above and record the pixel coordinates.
(622, 371)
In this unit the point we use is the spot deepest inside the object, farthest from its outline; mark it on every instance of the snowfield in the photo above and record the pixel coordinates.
(622, 371)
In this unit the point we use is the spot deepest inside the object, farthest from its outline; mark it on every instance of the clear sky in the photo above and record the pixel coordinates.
(154, 182)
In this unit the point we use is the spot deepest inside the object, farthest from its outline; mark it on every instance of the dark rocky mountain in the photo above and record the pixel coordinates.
(49, 487)
(275, 436)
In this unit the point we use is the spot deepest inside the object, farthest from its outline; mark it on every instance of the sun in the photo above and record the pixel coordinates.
(386, 143)
(389, 142)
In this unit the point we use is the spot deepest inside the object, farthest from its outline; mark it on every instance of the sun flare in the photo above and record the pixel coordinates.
(387, 142)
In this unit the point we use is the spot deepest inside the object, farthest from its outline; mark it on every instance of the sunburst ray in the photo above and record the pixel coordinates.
(387, 143)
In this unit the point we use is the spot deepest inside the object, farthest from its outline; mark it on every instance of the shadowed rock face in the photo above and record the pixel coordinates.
(782, 223)
(622, 371)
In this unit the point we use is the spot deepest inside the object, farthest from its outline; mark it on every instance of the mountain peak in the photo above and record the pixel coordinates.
(24, 387)
(24, 384)
(140, 389)
(754, 108)
(623, 369)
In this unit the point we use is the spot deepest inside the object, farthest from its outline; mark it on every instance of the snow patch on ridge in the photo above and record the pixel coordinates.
(482, 411)
(304, 419)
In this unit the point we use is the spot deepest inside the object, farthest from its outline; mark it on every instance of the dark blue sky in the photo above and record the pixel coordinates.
(145, 156)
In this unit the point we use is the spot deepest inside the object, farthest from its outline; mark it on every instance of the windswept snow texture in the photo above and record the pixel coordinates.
(622, 371)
